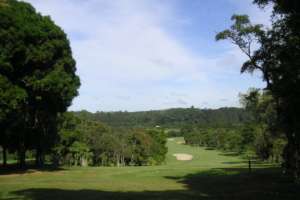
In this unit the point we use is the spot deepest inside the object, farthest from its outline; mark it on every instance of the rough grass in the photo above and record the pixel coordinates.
(210, 175)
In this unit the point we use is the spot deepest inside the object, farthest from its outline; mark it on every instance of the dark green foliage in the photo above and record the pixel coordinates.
(176, 118)
(37, 78)
(138, 138)
(82, 142)
(70, 148)
(281, 6)
(262, 107)
(259, 136)
(278, 58)
(227, 139)
(173, 132)
(158, 149)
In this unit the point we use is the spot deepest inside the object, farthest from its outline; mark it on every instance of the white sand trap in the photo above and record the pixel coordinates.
(183, 156)
(171, 139)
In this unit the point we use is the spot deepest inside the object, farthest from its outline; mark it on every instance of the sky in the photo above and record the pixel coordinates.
(138, 55)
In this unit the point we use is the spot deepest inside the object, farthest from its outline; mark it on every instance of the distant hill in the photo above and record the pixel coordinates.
(175, 117)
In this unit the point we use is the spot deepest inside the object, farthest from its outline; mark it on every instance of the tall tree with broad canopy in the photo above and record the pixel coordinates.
(37, 77)
(278, 58)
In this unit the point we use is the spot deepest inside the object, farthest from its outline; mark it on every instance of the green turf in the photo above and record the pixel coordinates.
(210, 175)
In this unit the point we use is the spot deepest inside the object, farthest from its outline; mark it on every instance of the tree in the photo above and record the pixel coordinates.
(263, 125)
(280, 54)
(278, 58)
(245, 35)
(141, 147)
(10, 99)
(36, 61)
(68, 134)
(158, 147)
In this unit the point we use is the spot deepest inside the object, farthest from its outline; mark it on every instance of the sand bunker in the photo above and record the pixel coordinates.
(171, 139)
(180, 142)
(183, 156)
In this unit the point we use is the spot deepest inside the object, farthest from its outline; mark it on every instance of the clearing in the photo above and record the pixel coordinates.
(209, 175)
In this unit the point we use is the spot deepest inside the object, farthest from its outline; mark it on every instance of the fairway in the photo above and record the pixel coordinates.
(209, 175)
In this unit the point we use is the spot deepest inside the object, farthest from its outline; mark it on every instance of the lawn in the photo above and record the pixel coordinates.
(210, 175)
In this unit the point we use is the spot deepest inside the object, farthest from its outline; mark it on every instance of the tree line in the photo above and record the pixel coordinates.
(257, 138)
(170, 118)
(84, 142)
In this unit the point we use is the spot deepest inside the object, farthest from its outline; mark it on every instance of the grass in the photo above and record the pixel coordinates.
(210, 175)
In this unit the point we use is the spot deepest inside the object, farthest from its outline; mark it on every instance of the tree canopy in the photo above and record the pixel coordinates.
(37, 77)
(176, 117)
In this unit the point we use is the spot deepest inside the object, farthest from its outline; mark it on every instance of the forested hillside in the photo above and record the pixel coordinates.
(171, 118)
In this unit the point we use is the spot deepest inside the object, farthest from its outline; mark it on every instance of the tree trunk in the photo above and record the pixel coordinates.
(118, 160)
(131, 159)
(39, 158)
(84, 161)
(4, 157)
(297, 170)
(75, 160)
(55, 160)
(123, 161)
(22, 157)
(249, 166)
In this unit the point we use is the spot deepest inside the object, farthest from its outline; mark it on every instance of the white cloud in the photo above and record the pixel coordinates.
(123, 49)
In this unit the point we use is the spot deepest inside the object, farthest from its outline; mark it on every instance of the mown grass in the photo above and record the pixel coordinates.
(210, 175)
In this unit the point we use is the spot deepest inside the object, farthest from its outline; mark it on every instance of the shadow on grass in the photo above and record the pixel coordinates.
(253, 163)
(216, 184)
(210, 148)
(31, 168)
(234, 183)
(235, 162)
(230, 154)
(58, 194)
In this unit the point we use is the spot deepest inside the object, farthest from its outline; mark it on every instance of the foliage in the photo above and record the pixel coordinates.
(259, 136)
(277, 57)
(83, 142)
(37, 79)
(172, 118)
(227, 139)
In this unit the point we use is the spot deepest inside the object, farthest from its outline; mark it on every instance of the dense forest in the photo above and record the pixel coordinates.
(171, 118)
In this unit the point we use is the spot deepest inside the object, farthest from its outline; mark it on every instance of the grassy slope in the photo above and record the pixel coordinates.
(210, 175)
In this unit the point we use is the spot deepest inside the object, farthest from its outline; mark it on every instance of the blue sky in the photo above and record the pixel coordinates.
(154, 54)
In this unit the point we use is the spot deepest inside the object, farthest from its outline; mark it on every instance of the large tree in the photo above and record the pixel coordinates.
(278, 58)
(10, 98)
(36, 62)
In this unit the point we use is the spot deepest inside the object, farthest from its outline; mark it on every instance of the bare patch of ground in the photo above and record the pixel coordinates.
(183, 156)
